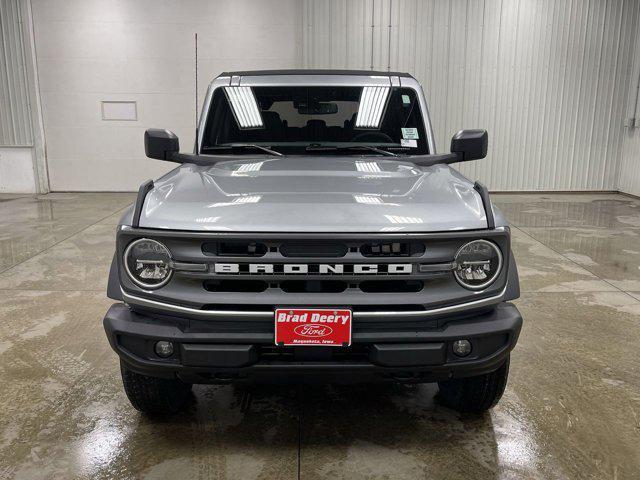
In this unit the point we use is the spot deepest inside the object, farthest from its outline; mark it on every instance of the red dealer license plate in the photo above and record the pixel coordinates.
(313, 326)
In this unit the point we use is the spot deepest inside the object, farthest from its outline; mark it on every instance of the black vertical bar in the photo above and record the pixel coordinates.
(142, 194)
(486, 203)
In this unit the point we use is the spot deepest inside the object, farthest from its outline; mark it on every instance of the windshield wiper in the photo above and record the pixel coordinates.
(373, 149)
(320, 148)
(231, 146)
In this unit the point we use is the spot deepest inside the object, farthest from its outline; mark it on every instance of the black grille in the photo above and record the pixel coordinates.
(213, 271)
(392, 249)
(249, 286)
(313, 249)
(235, 249)
(313, 286)
(319, 250)
(391, 286)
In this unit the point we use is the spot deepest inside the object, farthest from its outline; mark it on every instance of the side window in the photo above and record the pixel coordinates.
(403, 119)
(217, 124)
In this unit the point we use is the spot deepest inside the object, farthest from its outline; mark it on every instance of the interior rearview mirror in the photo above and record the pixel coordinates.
(160, 144)
(470, 144)
(319, 108)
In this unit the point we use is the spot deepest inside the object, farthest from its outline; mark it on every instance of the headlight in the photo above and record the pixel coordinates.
(477, 264)
(148, 263)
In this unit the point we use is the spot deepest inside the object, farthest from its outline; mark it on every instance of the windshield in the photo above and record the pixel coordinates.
(294, 120)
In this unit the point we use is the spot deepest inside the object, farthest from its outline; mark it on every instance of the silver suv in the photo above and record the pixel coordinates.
(314, 233)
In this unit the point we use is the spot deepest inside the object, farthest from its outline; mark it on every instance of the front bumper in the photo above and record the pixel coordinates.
(210, 355)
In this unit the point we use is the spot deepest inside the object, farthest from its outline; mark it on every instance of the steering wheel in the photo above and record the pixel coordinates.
(372, 137)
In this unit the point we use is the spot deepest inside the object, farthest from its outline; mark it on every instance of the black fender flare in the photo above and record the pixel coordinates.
(113, 284)
(513, 282)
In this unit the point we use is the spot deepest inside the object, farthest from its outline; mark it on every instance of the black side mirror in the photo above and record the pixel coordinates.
(160, 144)
(470, 144)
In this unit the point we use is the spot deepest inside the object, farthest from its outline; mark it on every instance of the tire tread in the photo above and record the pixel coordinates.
(475, 394)
(151, 395)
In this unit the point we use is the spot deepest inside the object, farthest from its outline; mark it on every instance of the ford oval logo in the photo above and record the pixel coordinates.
(313, 331)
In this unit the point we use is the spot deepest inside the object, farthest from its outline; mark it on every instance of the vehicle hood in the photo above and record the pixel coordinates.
(313, 194)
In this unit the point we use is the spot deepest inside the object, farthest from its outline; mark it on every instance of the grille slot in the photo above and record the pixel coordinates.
(312, 249)
(235, 249)
(247, 286)
(313, 286)
(392, 249)
(391, 286)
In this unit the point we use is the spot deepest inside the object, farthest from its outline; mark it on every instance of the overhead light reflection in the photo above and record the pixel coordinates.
(369, 167)
(100, 446)
(237, 201)
(159, 194)
(244, 106)
(371, 106)
(469, 195)
(370, 199)
(403, 219)
(207, 219)
(248, 167)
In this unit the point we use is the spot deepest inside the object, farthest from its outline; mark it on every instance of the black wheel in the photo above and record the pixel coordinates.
(156, 396)
(474, 394)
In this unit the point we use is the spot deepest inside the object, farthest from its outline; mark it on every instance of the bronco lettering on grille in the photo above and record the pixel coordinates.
(314, 269)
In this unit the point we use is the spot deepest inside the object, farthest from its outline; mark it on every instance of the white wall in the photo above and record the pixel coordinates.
(22, 161)
(15, 117)
(16, 170)
(142, 50)
(629, 181)
(548, 79)
(630, 164)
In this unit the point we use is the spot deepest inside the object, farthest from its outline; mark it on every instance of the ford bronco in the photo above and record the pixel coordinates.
(314, 233)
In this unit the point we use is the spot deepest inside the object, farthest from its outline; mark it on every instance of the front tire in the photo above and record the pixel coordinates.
(474, 394)
(154, 396)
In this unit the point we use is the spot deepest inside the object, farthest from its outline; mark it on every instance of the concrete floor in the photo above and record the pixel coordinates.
(571, 408)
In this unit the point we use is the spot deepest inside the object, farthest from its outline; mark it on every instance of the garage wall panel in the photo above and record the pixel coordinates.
(548, 79)
(142, 51)
(630, 168)
(15, 115)
(629, 177)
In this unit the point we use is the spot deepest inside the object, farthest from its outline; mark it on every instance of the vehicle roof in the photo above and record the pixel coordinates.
(368, 73)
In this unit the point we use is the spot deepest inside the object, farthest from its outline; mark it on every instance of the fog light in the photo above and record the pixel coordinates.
(164, 348)
(462, 348)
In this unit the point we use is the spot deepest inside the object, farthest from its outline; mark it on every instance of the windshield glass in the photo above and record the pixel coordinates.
(307, 120)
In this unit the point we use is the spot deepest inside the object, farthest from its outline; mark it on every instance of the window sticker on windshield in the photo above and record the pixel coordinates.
(410, 133)
(406, 100)
(408, 143)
